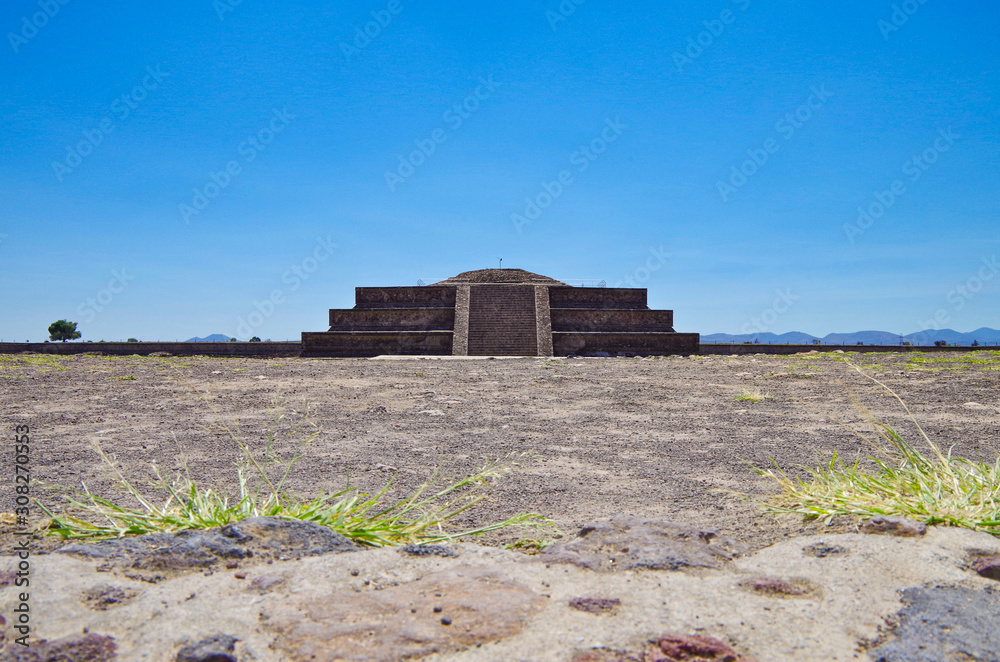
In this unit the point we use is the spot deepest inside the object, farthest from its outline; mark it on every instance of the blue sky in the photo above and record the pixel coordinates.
(169, 169)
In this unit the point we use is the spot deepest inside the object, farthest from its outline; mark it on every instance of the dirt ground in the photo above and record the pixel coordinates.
(657, 437)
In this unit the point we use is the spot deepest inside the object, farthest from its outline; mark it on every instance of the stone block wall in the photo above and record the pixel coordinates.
(543, 320)
(375, 343)
(398, 319)
(579, 319)
(404, 297)
(618, 298)
(261, 349)
(624, 344)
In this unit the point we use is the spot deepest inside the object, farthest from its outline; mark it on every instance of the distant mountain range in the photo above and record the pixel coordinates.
(215, 337)
(985, 336)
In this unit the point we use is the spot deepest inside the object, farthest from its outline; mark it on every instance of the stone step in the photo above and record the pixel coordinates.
(502, 320)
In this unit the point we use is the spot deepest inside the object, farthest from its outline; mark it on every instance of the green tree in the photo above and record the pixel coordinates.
(63, 330)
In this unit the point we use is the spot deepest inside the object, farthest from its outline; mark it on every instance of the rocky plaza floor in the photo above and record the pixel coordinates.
(658, 438)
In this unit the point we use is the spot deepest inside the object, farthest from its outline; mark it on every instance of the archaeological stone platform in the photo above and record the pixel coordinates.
(499, 312)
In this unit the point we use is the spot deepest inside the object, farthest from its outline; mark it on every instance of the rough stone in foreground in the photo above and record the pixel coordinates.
(88, 647)
(429, 550)
(400, 622)
(100, 598)
(627, 543)
(988, 567)
(778, 587)
(269, 537)
(596, 605)
(669, 648)
(945, 625)
(894, 526)
(822, 550)
(220, 648)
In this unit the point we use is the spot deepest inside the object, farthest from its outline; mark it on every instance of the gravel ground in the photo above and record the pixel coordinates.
(657, 438)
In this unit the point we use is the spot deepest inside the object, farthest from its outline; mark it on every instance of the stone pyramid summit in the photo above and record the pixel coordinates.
(499, 312)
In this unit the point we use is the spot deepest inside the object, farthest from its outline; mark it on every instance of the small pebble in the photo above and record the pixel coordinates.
(445, 621)
(437, 610)
(240, 575)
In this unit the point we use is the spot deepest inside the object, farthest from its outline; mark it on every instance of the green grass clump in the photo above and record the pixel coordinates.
(421, 517)
(748, 395)
(424, 516)
(934, 488)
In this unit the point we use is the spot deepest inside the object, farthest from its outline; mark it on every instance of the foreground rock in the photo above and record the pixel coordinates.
(632, 543)
(155, 556)
(833, 597)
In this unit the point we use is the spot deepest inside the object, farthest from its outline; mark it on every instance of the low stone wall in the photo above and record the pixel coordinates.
(428, 343)
(597, 297)
(404, 297)
(374, 343)
(262, 349)
(627, 344)
(726, 348)
(588, 319)
(392, 319)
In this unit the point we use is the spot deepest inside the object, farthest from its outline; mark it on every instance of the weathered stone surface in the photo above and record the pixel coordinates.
(607, 655)
(596, 605)
(218, 648)
(405, 621)
(88, 647)
(821, 550)
(102, 597)
(269, 537)
(429, 550)
(696, 648)
(266, 583)
(945, 625)
(384, 604)
(669, 648)
(627, 543)
(894, 526)
(988, 567)
(778, 587)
